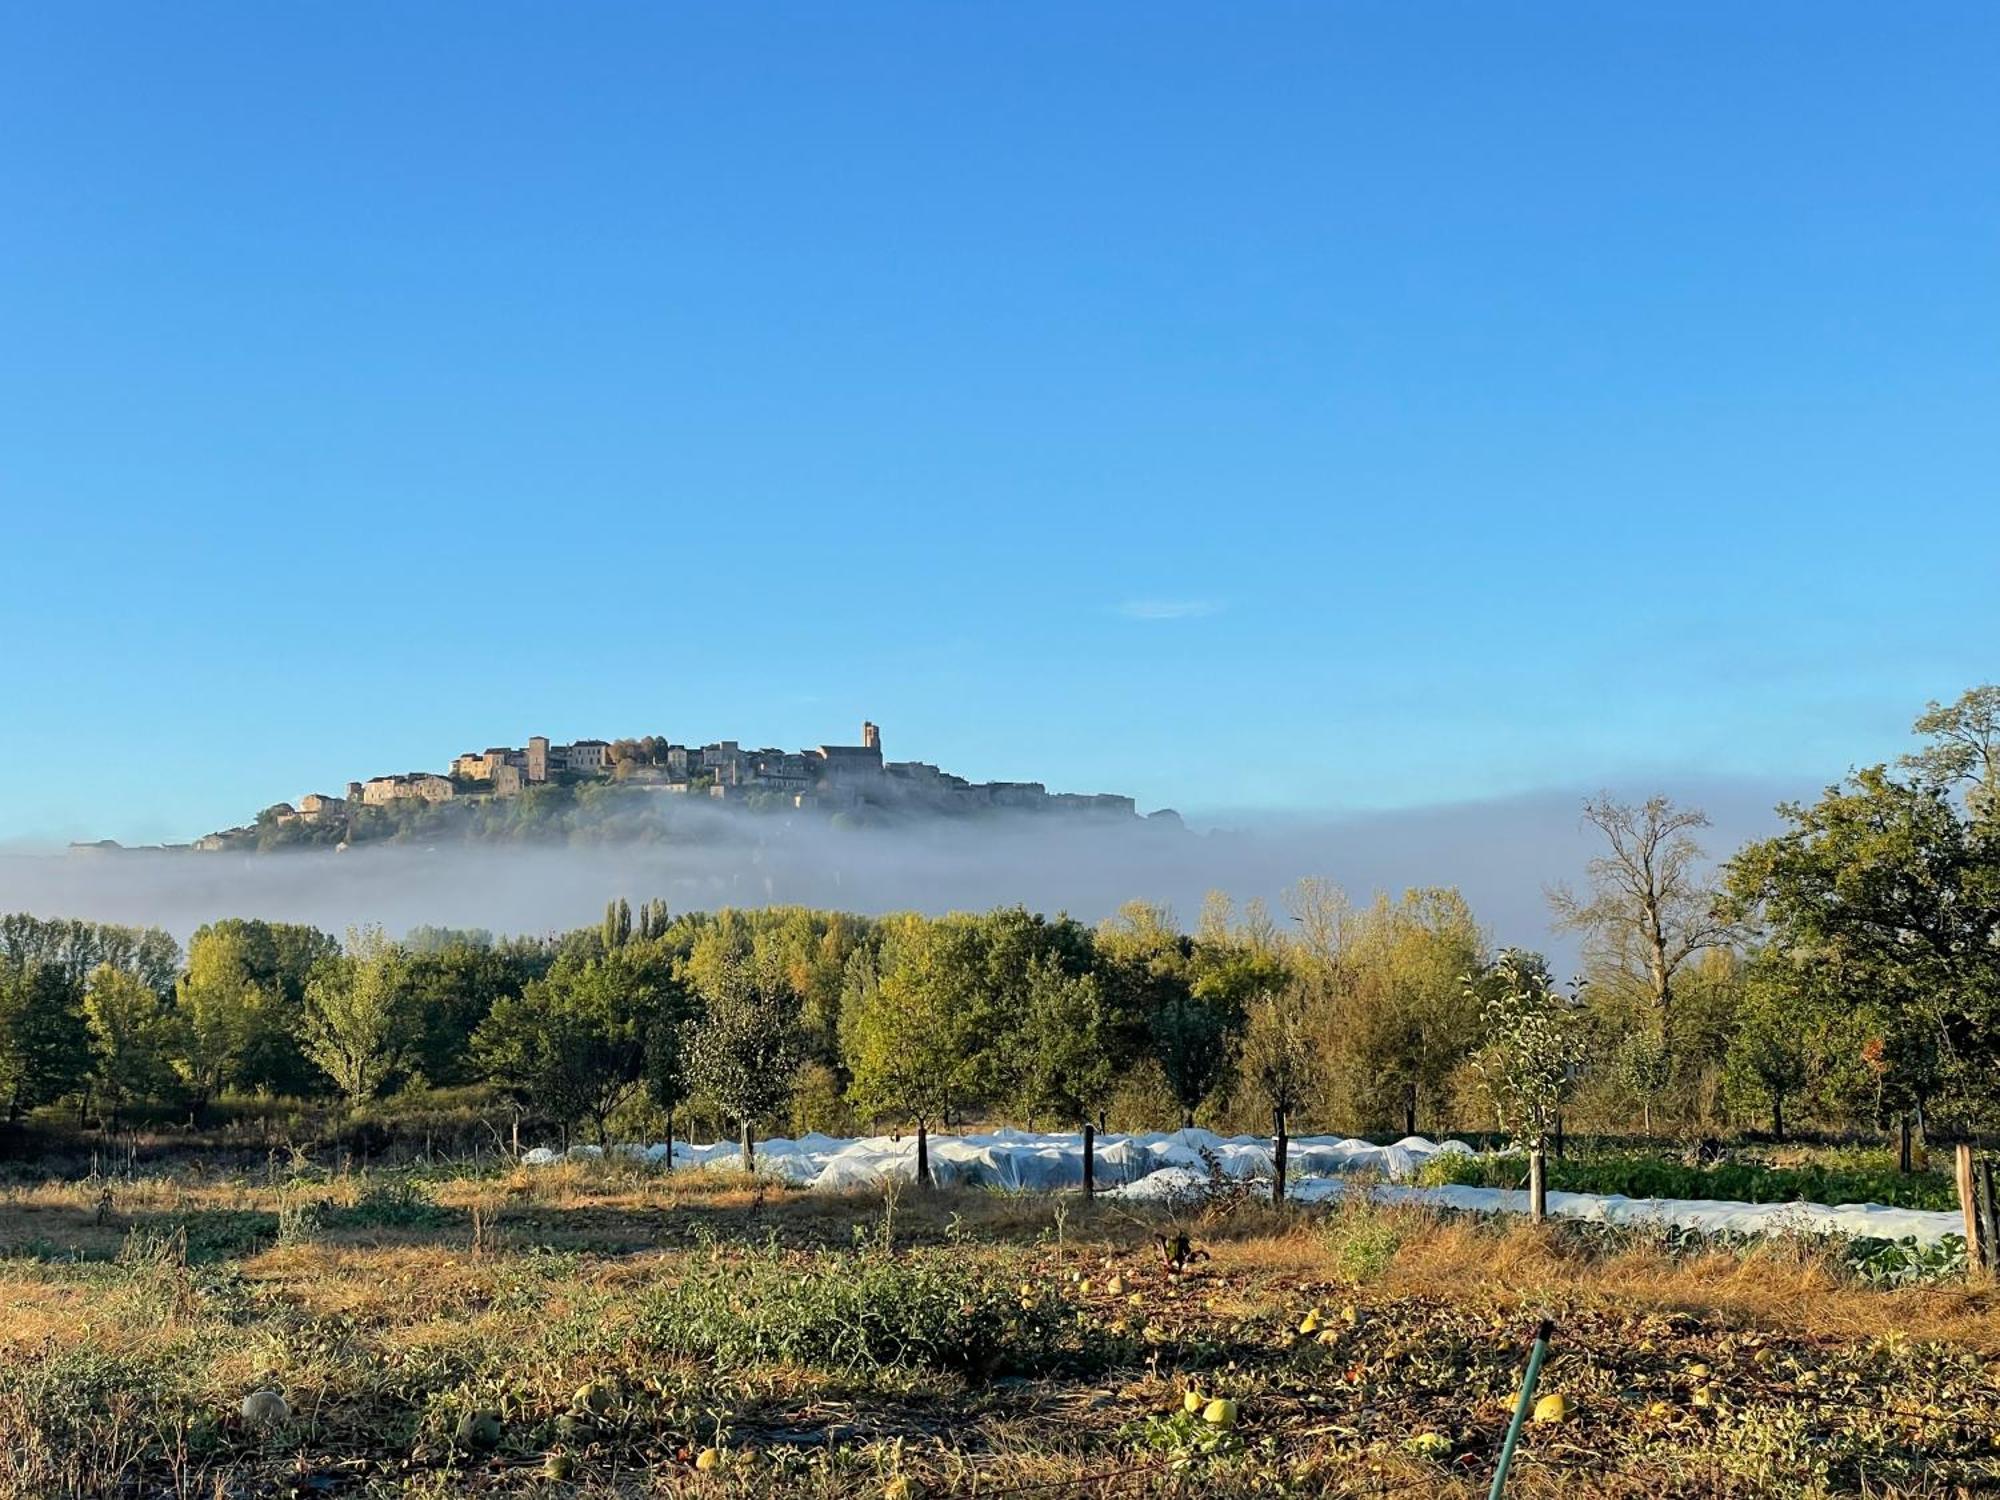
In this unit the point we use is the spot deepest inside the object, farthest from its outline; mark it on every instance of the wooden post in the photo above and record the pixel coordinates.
(1089, 1160)
(1905, 1152)
(923, 1155)
(1278, 1158)
(1968, 1205)
(1538, 1184)
(749, 1149)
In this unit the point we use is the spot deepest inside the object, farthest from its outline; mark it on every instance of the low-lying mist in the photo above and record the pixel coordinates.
(1501, 854)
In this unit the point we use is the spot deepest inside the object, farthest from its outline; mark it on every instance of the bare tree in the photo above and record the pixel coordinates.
(1323, 915)
(1653, 903)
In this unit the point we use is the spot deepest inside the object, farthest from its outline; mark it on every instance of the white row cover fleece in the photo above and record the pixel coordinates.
(1166, 1167)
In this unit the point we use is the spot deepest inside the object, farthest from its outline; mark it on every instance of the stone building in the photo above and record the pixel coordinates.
(827, 778)
(425, 786)
(586, 757)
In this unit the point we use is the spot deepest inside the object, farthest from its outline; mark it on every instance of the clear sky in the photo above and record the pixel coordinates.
(1242, 405)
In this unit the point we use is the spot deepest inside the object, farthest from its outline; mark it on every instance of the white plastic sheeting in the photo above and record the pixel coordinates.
(1164, 1167)
(1708, 1215)
(1025, 1161)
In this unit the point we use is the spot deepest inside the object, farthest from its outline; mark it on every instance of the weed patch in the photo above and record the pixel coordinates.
(928, 1309)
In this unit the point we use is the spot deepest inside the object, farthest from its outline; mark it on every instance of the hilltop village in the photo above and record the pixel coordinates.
(854, 781)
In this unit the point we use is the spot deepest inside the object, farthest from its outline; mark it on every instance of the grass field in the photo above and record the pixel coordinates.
(605, 1330)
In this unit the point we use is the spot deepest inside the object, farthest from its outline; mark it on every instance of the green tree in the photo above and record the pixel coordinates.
(278, 958)
(1012, 949)
(131, 1035)
(44, 1041)
(745, 1050)
(215, 1006)
(617, 930)
(911, 1038)
(1534, 1045)
(1147, 969)
(1893, 891)
(574, 1043)
(356, 1026)
(665, 1069)
(1283, 1059)
(1141, 963)
(1191, 1041)
(1964, 749)
(449, 987)
(1067, 1068)
(1641, 1069)
(76, 949)
(1233, 965)
(1768, 1061)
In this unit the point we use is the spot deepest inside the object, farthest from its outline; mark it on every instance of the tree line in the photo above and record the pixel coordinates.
(1843, 975)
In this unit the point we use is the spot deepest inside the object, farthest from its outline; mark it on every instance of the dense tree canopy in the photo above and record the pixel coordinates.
(1850, 980)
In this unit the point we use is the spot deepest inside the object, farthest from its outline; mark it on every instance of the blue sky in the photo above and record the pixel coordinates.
(1245, 406)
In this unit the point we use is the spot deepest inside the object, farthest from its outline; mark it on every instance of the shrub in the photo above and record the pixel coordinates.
(1362, 1240)
(860, 1310)
(395, 1205)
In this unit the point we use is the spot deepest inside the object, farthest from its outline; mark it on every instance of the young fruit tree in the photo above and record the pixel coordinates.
(911, 1033)
(1283, 1048)
(744, 1052)
(1065, 1044)
(1534, 1044)
(573, 1043)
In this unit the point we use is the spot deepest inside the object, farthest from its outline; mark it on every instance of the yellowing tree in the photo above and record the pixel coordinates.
(1399, 1016)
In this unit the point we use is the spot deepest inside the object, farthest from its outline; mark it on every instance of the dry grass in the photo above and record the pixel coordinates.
(388, 1308)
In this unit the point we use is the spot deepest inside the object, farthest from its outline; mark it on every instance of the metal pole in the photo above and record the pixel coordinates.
(1522, 1407)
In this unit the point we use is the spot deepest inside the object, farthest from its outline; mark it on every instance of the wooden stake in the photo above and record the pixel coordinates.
(1538, 1185)
(1968, 1204)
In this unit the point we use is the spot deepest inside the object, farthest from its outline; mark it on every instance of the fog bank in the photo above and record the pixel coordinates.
(1500, 854)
